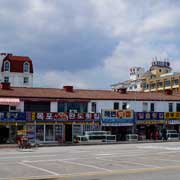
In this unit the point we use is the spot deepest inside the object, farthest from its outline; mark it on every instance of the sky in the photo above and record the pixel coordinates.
(90, 44)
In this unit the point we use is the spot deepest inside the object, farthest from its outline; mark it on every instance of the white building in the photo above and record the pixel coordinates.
(16, 70)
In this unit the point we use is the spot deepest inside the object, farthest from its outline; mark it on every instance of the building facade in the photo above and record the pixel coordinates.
(17, 70)
(158, 78)
(58, 115)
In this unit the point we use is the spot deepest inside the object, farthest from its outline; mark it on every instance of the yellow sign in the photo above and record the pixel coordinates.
(172, 115)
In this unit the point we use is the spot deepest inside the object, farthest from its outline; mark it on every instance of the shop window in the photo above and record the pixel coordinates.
(12, 108)
(170, 107)
(116, 105)
(40, 132)
(93, 107)
(145, 106)
(152, 106)
(49, 133)
(178, 107)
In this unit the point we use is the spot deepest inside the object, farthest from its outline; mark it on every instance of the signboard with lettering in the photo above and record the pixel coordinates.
(71, 116)
(149, 118)
(117, 118)
(172, 117)
(12, 117)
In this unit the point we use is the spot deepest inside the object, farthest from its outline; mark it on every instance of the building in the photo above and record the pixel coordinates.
(58, 115)
(159, 77)
(134, 83)
(17, 70)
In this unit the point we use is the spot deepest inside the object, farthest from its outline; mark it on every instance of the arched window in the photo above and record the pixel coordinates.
(6, 66)
(26, 67)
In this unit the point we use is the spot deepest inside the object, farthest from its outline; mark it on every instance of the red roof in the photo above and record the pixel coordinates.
(77, 94)
(17, 62)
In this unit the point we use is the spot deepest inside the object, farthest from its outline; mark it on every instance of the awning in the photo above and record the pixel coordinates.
(9, 101)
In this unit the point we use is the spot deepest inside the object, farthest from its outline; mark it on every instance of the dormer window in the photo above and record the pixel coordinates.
(26, 67)
(7, 66)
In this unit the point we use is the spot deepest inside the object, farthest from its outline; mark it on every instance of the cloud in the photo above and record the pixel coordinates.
(89, 43)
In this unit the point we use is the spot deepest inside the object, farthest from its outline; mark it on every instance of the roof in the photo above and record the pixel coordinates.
(17, 62)
(60, 94)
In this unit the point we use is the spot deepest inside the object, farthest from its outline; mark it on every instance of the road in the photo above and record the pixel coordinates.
(95, 162)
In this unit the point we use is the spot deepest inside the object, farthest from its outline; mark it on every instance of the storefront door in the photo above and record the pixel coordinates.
(68, 132)
(4, 134)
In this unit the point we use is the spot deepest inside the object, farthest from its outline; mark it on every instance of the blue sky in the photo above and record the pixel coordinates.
(90, 43)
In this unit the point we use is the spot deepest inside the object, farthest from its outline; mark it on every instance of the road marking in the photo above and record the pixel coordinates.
(129, 162)
(38, 168)
(85, 165)
(102, 173)
(104, 154)
(18, 157)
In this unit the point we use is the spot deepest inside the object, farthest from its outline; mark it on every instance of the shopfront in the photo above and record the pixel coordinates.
(119, 122)
(10, 123)
(61, 127)
(149, 124)
(173, 120)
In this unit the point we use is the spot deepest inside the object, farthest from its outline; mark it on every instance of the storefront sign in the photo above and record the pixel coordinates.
(117, 118)
(40, 116)
(149, 118)
(172, 115)
(173, 122)
(12, 116)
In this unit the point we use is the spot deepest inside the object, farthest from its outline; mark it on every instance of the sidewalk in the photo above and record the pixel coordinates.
(6, 146)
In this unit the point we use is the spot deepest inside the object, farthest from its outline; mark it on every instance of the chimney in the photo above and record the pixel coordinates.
(68, 88)
(122, 90)
(5, 86)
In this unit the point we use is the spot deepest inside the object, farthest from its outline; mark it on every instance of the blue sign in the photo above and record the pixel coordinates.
(149, 115)
(13, 117)
(149, 118)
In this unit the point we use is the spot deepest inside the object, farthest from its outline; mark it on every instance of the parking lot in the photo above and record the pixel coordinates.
(120, 161)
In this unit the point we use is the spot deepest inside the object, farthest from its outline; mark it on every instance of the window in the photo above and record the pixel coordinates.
(177, 107)
(159, 84)
(116, 105)
(167, 83)
(26, 67)
(124, 105)
(145, 106)
(152, 107)
(170, 107)
(6, 79)
(7, 66)
(26, 80)
(93, 107)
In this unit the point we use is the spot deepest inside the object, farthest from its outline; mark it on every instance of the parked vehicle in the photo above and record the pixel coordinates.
(132, 137)
(172, 136)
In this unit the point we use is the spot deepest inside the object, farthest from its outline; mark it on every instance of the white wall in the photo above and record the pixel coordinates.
(137, 106)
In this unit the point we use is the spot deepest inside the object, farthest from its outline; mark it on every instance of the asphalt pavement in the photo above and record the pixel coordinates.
(148, 161)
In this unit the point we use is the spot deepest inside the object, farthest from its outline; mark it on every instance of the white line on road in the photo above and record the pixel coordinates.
(38, 168)
(17, 157)
(129, 162)
(86, 165)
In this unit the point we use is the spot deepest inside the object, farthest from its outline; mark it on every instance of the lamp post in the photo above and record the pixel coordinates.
(35, 131)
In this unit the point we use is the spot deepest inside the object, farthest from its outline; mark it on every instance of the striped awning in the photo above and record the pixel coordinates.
(9, 101)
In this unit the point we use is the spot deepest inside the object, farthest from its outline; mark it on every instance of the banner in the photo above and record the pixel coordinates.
(41, 116)
(172, 115)
(117, 118)
(149, 118)
(12, 117)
